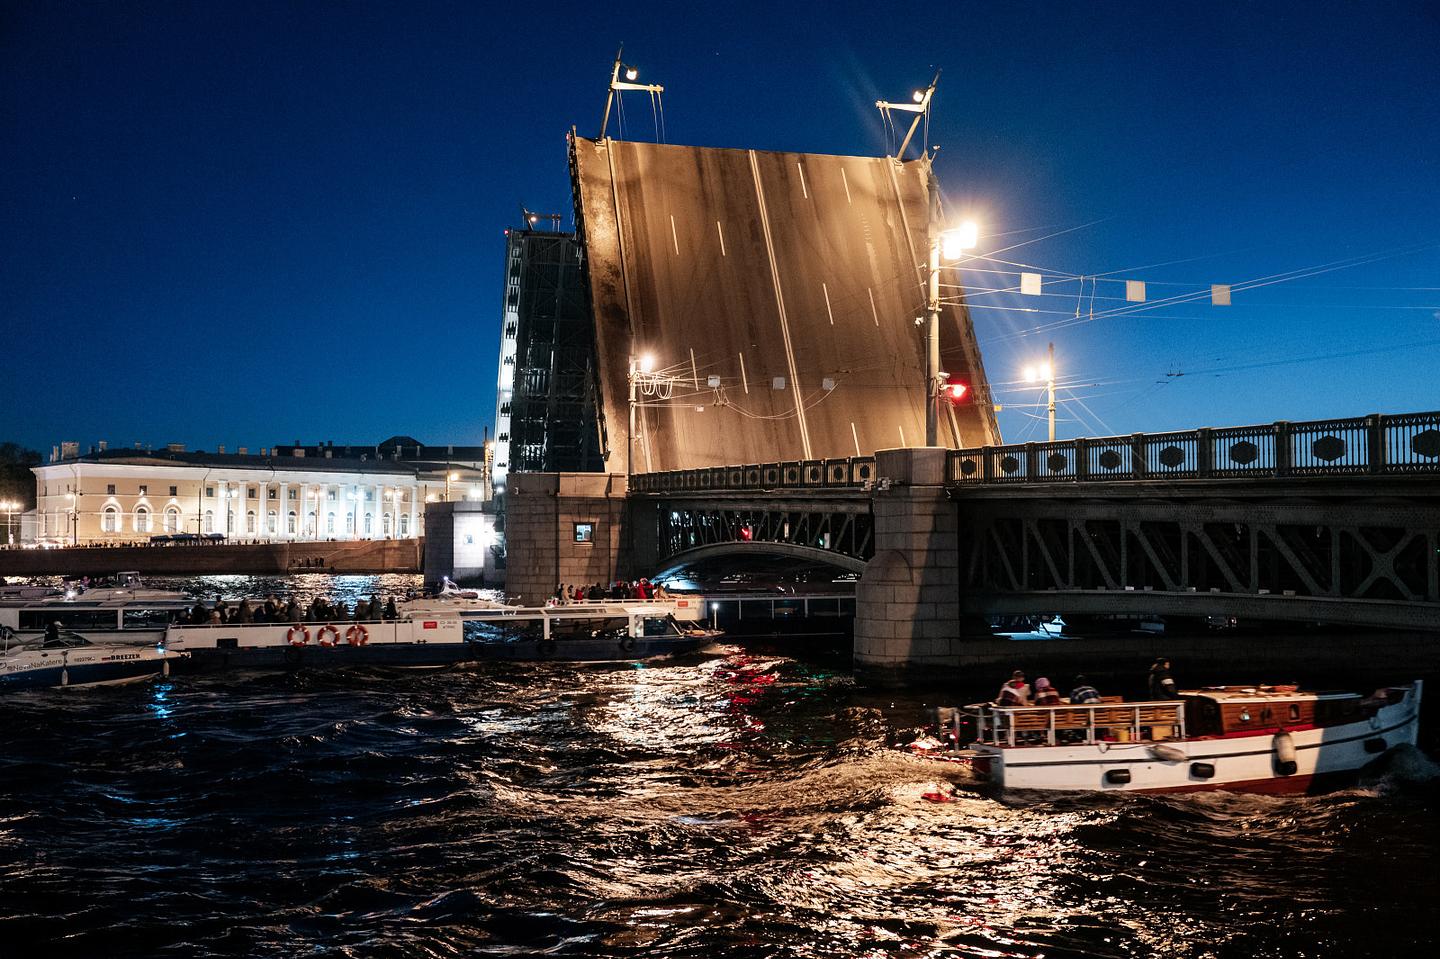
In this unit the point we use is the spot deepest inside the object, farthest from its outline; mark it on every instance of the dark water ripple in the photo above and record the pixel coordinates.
(735, 806)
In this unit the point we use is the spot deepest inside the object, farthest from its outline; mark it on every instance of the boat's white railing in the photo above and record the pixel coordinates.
(1019, 725)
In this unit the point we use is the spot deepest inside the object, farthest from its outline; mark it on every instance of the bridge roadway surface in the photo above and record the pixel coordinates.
(777, 271)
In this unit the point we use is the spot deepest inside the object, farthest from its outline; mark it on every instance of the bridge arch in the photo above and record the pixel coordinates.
(742, 548)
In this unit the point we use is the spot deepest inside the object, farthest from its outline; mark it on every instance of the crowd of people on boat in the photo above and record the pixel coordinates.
(1017, 692)
(567, 593)
(275, 610)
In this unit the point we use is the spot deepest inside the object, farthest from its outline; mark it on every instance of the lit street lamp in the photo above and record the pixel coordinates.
(944, 245)
(1046, 371)
(639, 368)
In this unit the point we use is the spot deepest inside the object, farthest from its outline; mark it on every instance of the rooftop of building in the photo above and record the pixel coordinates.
(279, 460)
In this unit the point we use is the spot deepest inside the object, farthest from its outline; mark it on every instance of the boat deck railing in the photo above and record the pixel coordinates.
(1077, 724)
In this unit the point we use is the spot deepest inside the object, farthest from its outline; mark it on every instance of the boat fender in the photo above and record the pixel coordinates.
(357, 635)
(1202, 770)
(64, 677)
(327, 635)
(1117, 777)
(627, 644)
(1376, 745)
(1284, 748)
(298, 635)
(1168, 754)
(165, 668)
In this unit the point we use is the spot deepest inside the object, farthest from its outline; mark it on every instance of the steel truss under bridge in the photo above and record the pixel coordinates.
(836, 529)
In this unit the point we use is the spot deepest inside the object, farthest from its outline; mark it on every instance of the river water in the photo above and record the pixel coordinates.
(740, 803)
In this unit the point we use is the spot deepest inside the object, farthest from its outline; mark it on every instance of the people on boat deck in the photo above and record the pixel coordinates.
(1045, 694)
(1016, 692)
(1082, 692)
(1162, 684)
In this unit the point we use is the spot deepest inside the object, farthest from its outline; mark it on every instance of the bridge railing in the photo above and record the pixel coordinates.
(852, 472)
(1377, 444)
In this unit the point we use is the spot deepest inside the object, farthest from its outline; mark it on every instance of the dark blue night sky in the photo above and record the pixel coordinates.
(246, 223)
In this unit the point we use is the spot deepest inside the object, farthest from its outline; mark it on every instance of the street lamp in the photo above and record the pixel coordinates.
(10, 506)
(74, 499)
(944, 245)
(642, 376)
(1046, 371)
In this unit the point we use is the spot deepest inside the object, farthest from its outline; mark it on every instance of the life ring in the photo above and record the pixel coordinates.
(627, 644)
(334, 635)
(356, 635)
(545, 648)
(299, 631)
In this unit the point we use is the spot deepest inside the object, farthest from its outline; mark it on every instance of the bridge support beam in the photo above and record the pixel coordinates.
(562, 528)
(907, 604)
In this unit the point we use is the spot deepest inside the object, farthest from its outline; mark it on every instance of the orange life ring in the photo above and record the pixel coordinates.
(334, 635)
(357, 635)
(299, 630)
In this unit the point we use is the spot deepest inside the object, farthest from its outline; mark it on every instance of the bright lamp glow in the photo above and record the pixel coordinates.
(1030, 375)
(631, 73)
(918, 96)
(647, 362)
(954, 243)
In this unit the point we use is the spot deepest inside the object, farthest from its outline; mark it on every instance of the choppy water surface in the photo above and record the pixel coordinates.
(726, 805)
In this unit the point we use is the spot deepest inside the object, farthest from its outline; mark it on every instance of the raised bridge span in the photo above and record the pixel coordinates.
(791, 279)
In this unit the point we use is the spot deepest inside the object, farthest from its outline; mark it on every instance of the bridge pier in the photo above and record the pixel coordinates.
(908, 623)
(562, 528)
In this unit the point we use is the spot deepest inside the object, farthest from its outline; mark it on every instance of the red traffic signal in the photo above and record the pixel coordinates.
(956, 392)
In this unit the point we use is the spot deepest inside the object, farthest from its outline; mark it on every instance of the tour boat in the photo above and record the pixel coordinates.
(600, 632)
(1268, 739)
(71, 660)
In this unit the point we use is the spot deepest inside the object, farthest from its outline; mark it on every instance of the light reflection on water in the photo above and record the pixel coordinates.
(731, 805)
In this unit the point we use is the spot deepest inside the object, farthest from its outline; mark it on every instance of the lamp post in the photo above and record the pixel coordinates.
(944, 245)
(1046, 371)
(639, 368)
(10, 506)
(74, 499)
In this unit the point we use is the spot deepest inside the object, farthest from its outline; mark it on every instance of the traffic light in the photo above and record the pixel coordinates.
(956, 393)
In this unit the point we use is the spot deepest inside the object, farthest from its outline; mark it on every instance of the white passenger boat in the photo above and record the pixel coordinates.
(70, 660)
(121, 609)
(600, 632)
(1246, 739)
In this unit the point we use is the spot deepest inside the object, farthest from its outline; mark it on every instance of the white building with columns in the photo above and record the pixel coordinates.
(121, 496)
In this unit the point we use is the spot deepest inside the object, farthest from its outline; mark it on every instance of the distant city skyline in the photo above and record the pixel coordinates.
(230, 225)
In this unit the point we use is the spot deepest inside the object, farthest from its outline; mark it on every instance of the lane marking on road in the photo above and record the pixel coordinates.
(673, 235)
(743, 381)
(826, 290)
(803, 188)
(902, 435)
(873, 312)
(694, 373)
(846, 180)
(855, 436)
(720, 230)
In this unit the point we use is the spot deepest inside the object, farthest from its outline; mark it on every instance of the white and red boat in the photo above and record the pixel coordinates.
(1268, 739)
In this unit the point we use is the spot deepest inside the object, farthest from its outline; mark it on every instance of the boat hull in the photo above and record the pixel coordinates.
(88, 668)
(1324, 758)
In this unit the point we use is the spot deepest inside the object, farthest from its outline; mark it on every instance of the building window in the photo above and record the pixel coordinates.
(174, 491)
(272, 494)
(290, 522)
(294, 494)
(330, 495)
(584, 532)
(270, 520)
(144, 490)
(329, 523)
(110, 488)
(172, 520)
(250, 492)
(385, 525)
(350, 524)
(142, 519)
(229, 521)
(210, 492)
(404, 525)
(250, 521)
(110, 519)
(369, 523)
(209, 521)
(310, 523)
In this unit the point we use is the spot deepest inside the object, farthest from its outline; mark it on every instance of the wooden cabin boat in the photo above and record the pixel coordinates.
(1269, 739)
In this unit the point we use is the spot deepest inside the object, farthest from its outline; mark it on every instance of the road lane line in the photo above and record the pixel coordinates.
(826, 290)
(720, 230)
(855, 436)
(694, 373)
(780, 306)
(673, 235)
(803, 188)
(743, 380)
(873, 312)
(846, 180)
(902, 435)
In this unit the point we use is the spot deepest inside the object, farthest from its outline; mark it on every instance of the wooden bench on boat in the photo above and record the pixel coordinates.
(1012, 725)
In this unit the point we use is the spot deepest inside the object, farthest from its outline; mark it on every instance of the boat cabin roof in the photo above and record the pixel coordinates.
(1263, 694)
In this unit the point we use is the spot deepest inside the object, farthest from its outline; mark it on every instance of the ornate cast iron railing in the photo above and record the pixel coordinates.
(1377, 444)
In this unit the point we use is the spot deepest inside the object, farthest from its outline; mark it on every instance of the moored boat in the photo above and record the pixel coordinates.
(1245, 739)
(69, 660)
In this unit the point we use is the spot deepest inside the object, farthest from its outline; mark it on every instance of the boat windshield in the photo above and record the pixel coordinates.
(64, 641)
